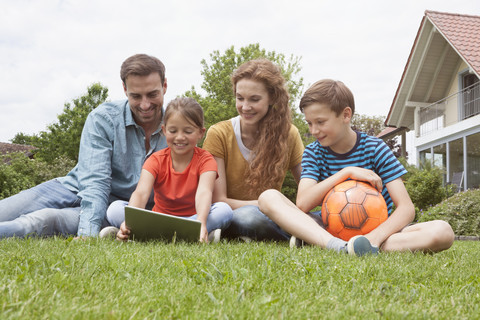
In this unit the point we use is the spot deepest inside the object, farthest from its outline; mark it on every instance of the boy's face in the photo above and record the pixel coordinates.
(329, 129)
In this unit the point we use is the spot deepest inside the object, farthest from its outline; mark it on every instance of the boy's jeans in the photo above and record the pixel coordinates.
(44, 210)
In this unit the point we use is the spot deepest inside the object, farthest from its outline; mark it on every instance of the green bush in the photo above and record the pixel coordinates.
(462, 211)
(18, 172)
(425, 185)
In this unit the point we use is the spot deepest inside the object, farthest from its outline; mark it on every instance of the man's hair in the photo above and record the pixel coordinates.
(141, 65)
(189, 108)
(333, 93)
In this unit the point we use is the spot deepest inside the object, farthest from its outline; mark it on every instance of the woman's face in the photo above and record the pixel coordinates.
(252, 101)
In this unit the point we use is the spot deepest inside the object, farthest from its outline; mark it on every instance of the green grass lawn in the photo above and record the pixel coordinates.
(104, 279)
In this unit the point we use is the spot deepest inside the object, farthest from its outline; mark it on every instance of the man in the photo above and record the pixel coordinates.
(116, 140)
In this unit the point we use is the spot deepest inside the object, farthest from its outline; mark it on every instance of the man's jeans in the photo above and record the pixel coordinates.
(44, 210)
(219, 217)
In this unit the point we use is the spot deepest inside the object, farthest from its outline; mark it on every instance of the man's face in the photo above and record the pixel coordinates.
(145, 95)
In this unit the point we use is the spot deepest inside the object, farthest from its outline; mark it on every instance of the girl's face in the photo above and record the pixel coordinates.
(252, 101)
(182, 136)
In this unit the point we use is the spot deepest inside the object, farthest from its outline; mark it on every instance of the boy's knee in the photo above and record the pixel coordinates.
(442, 235)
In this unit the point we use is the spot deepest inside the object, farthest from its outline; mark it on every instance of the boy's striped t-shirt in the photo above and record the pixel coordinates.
(369, 152)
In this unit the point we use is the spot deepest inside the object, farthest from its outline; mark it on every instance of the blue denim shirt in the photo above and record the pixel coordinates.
(112, 153)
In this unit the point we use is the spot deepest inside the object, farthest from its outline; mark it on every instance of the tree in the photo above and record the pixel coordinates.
(219, 101)
(18, 172)
(373, 125)
(62, 139)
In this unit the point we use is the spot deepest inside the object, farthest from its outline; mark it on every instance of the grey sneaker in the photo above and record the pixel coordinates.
(214, 236)
(108, 232)
(359, 246)
(294, 242)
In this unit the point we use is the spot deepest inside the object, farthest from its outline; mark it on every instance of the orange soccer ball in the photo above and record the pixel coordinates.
(353, 208)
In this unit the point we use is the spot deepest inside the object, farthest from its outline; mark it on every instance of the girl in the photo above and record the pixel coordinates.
(182, 175)
(255, 149)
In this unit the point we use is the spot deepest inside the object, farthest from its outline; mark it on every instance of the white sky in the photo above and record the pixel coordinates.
(52, 50)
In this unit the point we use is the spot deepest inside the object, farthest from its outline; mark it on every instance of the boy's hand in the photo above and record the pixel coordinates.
(366, 175)
(123, 233)
(203, 233)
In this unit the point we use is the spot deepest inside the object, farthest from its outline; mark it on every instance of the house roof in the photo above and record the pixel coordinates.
(12, 147)
(462, 32)
(443, 42)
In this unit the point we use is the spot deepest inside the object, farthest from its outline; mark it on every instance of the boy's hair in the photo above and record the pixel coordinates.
(189, 108)
(141, 65)
(333, 93)
(271, 145)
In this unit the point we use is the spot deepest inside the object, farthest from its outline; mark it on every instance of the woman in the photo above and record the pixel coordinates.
(255, 150)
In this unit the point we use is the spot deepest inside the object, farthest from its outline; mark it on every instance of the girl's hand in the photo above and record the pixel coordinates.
(123, 233)
(203, 233)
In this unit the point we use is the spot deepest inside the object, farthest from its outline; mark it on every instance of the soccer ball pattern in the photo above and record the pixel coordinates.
(353, 208)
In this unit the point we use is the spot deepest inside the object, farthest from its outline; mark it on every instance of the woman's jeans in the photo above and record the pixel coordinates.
(44, 210)
(219, 217)
(249, 221)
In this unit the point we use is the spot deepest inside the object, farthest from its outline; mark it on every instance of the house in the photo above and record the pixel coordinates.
(438, 96)
(6, 148)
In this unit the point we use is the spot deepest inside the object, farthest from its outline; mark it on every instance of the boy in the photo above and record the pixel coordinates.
(339, 154)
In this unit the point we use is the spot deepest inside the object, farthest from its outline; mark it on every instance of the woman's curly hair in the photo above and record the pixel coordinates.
(271, 148)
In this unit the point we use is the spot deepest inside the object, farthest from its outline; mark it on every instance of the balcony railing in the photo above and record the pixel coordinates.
(432, 117)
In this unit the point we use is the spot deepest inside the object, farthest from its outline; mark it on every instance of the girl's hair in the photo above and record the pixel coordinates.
(270, 151)
(189, 108)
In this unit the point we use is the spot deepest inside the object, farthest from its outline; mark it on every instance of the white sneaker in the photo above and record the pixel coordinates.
(214, 236)
(109, 232)
(294, 242)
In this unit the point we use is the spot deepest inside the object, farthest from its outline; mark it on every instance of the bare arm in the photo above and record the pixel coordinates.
(220, 191)
(138, 199)
(203, 200)
(310, 193)
(401, 217)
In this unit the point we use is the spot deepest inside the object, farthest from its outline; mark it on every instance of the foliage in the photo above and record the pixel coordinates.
(18, 172)
(219, 101)
(373, 125)
(425, 185)
(62, 139)
(97, 279)
(462, 211)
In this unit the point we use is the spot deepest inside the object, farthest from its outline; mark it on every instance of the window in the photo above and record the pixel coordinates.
(470, 96)
(456, 158)
(473, 161)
